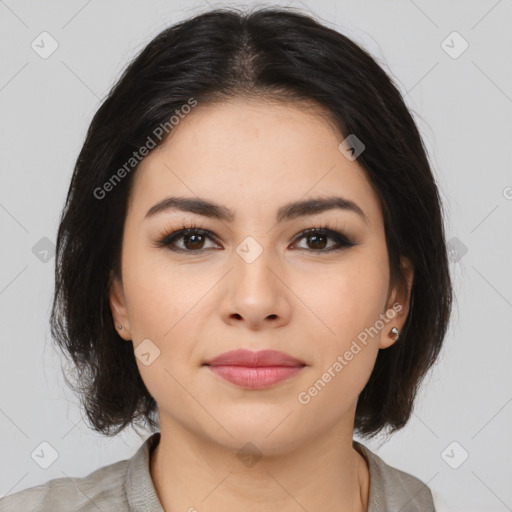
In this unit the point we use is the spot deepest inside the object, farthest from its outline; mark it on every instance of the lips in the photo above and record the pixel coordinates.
(262, 358)
(255, 370)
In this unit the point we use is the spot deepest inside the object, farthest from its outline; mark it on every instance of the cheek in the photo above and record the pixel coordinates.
(159, 294)
(164, 306)
(349, 301)
(350, 304)
(161, 300)
(352, 295)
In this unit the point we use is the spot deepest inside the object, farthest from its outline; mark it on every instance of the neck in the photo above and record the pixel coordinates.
(191, 472)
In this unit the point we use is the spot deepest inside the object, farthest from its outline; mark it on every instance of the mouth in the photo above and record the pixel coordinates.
(255, 370)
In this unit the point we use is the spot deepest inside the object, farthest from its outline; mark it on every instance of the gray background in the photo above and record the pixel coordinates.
(463, 107)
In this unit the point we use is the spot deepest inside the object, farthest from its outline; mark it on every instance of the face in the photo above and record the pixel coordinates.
(254, 279)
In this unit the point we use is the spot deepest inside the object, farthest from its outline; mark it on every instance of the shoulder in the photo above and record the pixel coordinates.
(393, 489)
(103, 489)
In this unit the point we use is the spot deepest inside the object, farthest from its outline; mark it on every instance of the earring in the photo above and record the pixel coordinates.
(119, 326)
(394, 332)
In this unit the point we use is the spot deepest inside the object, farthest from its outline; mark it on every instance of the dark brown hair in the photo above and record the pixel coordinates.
(268, 53)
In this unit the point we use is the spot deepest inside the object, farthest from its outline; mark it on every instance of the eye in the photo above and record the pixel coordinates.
(318, 238)
(192, 239)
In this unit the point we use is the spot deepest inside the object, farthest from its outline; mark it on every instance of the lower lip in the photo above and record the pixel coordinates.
(252, 377)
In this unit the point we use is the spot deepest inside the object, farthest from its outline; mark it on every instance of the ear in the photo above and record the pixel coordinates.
(398, 306)
(118, 307)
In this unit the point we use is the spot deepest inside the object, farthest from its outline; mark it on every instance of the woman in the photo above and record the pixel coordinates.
(252, 262)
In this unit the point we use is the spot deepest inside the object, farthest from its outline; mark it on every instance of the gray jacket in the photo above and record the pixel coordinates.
(127, 486)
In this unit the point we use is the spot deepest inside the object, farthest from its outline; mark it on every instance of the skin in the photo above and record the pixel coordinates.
(253, 158)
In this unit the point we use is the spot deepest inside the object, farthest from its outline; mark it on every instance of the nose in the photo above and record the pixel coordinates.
(256, 294)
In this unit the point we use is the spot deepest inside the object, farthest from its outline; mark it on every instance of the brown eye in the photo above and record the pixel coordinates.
(318, 240)
(192, 240)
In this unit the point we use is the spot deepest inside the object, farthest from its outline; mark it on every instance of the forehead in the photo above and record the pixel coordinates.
(251, 157)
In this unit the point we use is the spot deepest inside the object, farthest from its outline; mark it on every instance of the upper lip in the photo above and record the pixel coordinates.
(244, 357)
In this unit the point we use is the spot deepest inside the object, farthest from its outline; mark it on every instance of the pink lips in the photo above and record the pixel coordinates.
(255, 370)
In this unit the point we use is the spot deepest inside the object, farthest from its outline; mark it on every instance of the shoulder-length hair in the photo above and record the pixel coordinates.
(272, 54)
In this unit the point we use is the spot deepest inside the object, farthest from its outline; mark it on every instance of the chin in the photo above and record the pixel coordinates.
(271, 436)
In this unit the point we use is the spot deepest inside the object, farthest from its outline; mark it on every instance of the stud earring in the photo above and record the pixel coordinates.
(394, 332)
(119, 326)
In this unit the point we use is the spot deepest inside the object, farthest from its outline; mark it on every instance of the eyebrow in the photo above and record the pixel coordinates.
(286, 212)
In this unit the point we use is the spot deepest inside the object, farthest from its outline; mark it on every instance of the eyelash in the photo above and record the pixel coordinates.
(167, 238)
